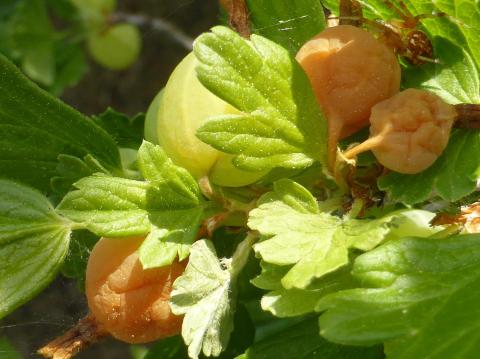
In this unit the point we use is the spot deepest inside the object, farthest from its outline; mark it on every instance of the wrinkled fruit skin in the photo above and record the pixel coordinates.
(350, 72)
(128, 302)
(412, 129)
(185, 106)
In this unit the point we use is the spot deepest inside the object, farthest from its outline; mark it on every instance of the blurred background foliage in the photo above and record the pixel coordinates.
(51, 41)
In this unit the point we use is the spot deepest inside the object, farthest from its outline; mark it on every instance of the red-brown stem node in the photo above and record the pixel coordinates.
(468, 116)
(238, 16)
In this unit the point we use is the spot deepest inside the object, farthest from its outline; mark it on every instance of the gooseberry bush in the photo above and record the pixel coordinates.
(292, 197)
(49, 39)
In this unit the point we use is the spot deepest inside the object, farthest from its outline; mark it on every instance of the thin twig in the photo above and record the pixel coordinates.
(157, 24)
(238, 16)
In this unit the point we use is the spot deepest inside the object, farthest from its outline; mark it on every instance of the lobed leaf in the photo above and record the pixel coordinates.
(281, 124)
(206, 296)
(419, 296)
(316, 243)
(33, 244)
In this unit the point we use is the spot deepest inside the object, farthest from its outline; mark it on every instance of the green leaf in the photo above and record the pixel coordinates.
(7, 350)
(467, 15)
(34, 35)
(420, 296)
(455, 79)
(297, 233)
(176, 223)
(71, 169)
(168, 207)
(168, 348)
(71, 66)
(33, 243)
(288, 23)
(452, 176)
(108, 206)
(206, 295)
(37, 127)
(127, 132)
(301, 341)
(292, 302)
(281, 124)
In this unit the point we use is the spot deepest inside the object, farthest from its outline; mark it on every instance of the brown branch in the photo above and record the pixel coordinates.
(82, 335)
(468, 116)
(238, 16)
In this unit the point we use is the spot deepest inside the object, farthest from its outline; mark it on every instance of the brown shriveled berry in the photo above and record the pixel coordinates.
(409, 131)
(127, 301)
(350, 72)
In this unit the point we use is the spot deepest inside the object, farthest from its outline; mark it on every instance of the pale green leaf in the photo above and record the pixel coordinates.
(297, 233)
(109, 206)
(283, 302)
(176, 226)
(206, 296)
(33, 244)
(288, 23)
(168, 207)
(281, 124)
(420, 296)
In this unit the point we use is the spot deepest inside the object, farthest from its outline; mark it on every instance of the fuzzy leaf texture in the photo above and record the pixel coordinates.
(36, 128)
(168, 207)
(281, 124)
(288, 23)
(205, 294)
(365, 234)
(33, 244)
(420, 296)
(316, 243)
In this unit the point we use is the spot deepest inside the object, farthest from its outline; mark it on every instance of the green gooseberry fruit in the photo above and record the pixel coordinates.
(116, 48)
(185, 106)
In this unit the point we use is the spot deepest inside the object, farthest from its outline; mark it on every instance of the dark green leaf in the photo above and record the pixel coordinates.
(288, 23)
(33, 244)
(301, 341)
(37, 127)
(127, 132)
(453, 175)
(420, 296)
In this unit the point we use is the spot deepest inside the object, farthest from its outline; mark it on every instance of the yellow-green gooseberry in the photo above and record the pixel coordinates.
(185, 106)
